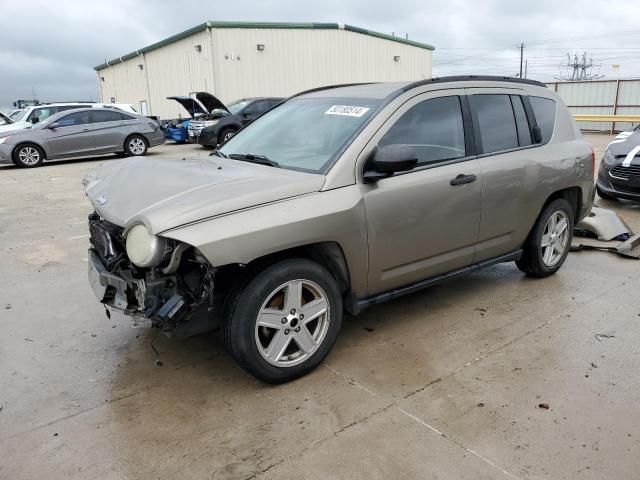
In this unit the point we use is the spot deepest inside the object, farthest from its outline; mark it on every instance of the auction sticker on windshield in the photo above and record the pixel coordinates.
(348, 110)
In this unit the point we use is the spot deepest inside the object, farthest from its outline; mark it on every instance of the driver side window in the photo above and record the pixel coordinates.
(433, 128)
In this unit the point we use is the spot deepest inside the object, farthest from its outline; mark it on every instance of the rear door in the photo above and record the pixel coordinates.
(419, 223)
(509, 169)
(72, 137)
(109, 130)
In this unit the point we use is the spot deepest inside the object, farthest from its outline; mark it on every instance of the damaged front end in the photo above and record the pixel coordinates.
(166, 281)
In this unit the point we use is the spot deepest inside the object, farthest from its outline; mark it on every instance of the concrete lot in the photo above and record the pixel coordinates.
(441, 384)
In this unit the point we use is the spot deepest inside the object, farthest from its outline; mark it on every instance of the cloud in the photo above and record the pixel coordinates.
(52, 46)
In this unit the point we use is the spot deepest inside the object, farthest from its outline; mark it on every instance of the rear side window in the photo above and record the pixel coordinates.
(77, 118)
(433, 128)
(100, 116)
(524, 131)
(545, 111)
(496, 122)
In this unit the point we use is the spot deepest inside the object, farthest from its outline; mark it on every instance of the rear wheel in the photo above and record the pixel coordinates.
(548, 244)
(135, 145)
(28, 155)
(282, 323)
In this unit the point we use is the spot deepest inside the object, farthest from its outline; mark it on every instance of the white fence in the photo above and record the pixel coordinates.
(601, 97)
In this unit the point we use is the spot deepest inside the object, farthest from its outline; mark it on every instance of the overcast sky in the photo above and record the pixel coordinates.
(52, 46)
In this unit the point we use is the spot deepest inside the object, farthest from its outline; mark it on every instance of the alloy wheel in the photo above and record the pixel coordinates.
(555, 238)
(29, 155)
(292, 323)
(136, 145)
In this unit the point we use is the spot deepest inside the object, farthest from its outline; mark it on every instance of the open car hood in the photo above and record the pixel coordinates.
(202, 104)
(165, 194)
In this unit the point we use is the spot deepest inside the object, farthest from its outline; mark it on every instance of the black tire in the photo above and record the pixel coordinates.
(240, 330)
(28, 155)
(226, 134)
(604, 195)
(135, 146)
(532, 262)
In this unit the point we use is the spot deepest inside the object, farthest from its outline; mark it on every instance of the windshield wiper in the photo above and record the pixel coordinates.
(250, 157)
(218, 153)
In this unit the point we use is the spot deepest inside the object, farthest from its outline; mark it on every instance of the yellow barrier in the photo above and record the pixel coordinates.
(607, 118)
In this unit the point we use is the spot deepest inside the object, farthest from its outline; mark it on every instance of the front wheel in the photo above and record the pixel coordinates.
(28, 156)
(548, 244)
(283, 322)
(226, 134)
(135, 146)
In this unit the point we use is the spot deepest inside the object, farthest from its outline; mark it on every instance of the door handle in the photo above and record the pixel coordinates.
(85, 129)
(462, 179)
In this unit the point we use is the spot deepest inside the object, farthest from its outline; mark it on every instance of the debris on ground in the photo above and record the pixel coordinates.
(28, 339)
(369, 329)
(600, 336)
(593, 365)
(8, 306)
(159, 363)
(544, 406)
(481, 404)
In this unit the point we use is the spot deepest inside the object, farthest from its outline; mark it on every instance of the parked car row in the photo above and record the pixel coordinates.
(339, 199)
(79, 132)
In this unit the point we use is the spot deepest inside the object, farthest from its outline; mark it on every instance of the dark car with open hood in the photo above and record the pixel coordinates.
(619, 174)
(224, 121)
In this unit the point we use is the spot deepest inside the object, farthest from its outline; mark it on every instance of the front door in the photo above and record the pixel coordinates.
(420, 223)
(72, 137)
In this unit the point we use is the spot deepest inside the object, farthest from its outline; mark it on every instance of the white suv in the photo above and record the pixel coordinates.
(37, 113)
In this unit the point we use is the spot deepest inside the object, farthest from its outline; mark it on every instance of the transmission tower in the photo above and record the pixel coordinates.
(579, 68)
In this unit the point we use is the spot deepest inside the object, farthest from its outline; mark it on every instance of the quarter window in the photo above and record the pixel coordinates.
(434, 128)
(73, 119)
(545, 111)
(495, 121)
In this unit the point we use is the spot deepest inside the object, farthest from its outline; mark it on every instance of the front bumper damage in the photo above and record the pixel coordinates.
(177, 297)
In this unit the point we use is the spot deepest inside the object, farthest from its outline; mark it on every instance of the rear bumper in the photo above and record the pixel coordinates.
(156, 138)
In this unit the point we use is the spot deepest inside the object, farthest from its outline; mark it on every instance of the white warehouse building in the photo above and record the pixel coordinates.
(233, 60)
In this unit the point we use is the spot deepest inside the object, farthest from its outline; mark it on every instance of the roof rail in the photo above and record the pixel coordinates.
(329, 87)
(463, 78)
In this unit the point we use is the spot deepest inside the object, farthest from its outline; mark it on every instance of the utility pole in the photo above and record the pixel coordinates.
(521, 57)
(526, 65)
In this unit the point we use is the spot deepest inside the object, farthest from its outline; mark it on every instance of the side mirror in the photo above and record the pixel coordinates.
(537, 134)
(35, 120)
(53, 126)
(388, 160)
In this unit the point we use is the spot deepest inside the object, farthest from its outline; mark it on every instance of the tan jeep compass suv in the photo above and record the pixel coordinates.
(335, 200)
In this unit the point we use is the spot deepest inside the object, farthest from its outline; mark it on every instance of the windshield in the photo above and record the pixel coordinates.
(237, 105)
(17, 115)
(303, 134)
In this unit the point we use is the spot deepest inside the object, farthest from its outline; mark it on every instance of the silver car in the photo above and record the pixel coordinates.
(80, 132)
(336, 200)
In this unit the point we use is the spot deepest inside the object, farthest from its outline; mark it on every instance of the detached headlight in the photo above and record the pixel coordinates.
(143, 249)
(4, 139)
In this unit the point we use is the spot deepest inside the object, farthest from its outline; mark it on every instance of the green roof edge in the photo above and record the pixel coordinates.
(283, 25)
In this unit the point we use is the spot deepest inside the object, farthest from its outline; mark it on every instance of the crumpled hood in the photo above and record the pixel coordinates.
(164, 194)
